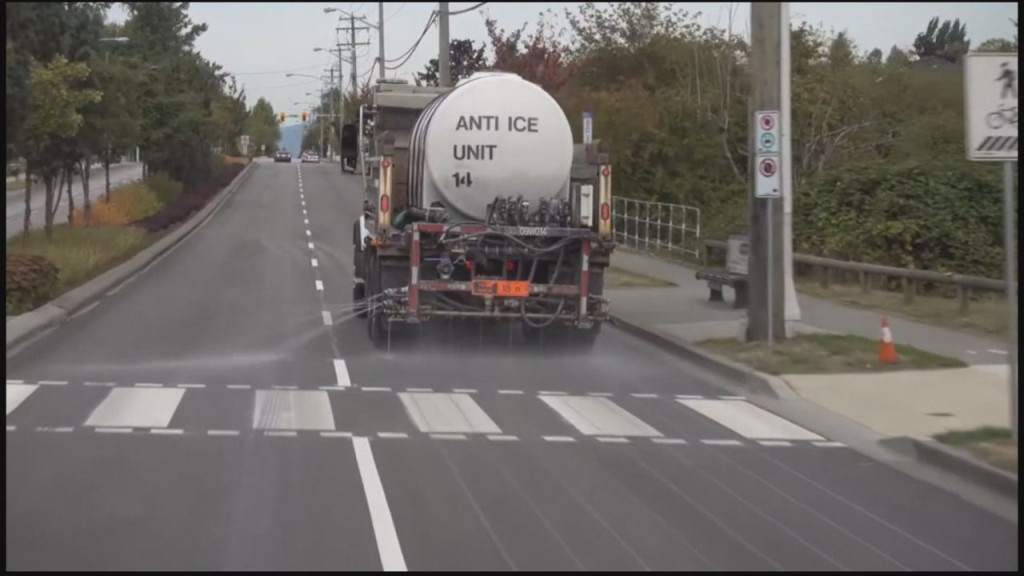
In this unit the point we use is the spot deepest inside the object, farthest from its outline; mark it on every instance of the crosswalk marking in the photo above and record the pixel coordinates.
(438, 412)
(598, 416)
(749, 421)
(292, 410)
(17, 393)
(136, 408)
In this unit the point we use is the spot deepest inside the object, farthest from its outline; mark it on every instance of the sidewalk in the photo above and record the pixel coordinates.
(905, 403)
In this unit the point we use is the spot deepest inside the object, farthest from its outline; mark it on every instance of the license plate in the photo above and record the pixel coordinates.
(501, 288)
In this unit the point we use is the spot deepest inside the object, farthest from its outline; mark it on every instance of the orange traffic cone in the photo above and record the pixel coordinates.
(887, 350)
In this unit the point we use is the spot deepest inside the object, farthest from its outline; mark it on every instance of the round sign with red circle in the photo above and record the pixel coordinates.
(767, 122)
(767, 167)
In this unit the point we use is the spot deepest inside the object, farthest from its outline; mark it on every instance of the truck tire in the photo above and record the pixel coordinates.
(358, 264)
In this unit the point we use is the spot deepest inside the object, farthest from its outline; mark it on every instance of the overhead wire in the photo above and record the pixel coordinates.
(470, 9)
(408, 53)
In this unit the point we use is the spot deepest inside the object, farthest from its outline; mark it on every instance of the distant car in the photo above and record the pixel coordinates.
(282, 156)
(311, 157)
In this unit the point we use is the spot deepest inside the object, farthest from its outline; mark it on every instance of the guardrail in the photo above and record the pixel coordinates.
(656, 225)
(870, 275)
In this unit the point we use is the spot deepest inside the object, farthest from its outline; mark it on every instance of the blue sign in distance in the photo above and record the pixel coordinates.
(767, 142)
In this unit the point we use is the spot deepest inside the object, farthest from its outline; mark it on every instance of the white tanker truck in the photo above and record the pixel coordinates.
(478, 206)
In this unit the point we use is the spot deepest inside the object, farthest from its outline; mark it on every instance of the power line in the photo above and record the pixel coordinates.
(408, 54)
(470, 9)
(395, 13)
(274, 72)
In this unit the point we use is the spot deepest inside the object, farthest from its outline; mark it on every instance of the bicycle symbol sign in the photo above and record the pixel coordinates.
(991, 83)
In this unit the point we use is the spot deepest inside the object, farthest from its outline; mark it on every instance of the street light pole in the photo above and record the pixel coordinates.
(380, 38)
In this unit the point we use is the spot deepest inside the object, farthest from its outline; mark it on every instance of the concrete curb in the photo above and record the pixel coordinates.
(746, 377)
(956, 462)
(26, 325)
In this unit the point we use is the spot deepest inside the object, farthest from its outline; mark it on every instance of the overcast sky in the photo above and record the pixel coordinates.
(260, 42)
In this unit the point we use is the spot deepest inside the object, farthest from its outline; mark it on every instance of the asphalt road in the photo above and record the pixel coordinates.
(119, 174)
(208, 415)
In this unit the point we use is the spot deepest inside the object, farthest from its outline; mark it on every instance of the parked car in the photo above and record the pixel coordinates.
(311, 157)
(283, 156)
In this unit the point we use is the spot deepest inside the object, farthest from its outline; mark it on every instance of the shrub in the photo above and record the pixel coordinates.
(31, 281)
(164, 187)
(189, 201)
(127, 204)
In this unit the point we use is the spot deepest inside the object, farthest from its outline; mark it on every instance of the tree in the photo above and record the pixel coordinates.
(947, 41)
(54, 116)
(465, 59)
(262, 127)
(998, 45)
(540, 58)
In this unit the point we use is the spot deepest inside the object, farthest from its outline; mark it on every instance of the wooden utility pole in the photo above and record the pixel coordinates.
(765, 315)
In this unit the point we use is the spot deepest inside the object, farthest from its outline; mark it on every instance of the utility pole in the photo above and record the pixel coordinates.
(380, 39)
(765, 315)
(352, 43)
(443, 49)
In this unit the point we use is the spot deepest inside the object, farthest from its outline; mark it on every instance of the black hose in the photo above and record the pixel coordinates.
(544, 324)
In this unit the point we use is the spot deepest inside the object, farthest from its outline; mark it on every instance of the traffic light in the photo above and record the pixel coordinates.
(303, 115)
(282, 116)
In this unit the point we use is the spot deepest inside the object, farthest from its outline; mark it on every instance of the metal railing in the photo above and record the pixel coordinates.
(656, 226)
(871, 276)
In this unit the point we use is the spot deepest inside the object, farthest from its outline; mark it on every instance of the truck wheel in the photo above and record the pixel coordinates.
(358, 264)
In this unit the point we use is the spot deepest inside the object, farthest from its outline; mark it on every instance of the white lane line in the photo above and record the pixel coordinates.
(101, 383)
(598, 416)
(448, 436)
(600, 394)
(11, 428)
(335, 434)
(330, 388)
(558, 438)
(15, 381)
(328, 321)
(722, 442)
(829, 444)
(281, 433)
(148, 385)
(447, 413)
(191, 385)
(643, 395)
(1002, 352)
(502, 437)
(222, 432)
(613, 440)
(59, 429)
(748, 420)
(464, 390)
(341, 373)
(239, 386)
(53, 382)
(319, 286)
(392, 435)
(510, 391)
(388, 547)
(689, 396)
(308, 233)
(114, 430)
(285, 387)
(668, 440)
(419, 389)
(167, 431)
(17, 393)
(971, 352)
(552, 393)
(314, 263)
(305, 221)
(292, 410)
(732, 398)
(376, 389)
(311, 246)
(774, 443)
(136, 408)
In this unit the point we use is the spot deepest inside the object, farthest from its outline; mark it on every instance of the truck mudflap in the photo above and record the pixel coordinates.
(497, 298)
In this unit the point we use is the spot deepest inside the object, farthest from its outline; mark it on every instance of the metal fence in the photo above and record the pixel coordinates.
(657, 226)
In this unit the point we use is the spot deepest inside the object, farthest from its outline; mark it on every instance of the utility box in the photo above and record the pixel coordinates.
(738, 254)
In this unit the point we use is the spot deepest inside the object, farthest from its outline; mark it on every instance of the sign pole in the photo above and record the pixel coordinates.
(771, 307)
(588, 127)
(1011, 293)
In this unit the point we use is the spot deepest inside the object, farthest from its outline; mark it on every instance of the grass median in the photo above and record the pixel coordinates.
(990, 444)
(824, 354)
(619, 278)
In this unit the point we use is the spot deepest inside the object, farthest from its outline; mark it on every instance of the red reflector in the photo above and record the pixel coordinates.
(605, 172)
(469, 264)
(605, 211)
(385, 203)
(510, 265)
(385, 163)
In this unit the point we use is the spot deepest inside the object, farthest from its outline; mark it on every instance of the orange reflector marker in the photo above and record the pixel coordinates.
(605, 172)
(384, 203)
(606, 211)
(385, 163)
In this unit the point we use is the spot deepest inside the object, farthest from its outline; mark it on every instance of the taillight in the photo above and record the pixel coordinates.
(604, 198)
(385, 203)
(606, 211)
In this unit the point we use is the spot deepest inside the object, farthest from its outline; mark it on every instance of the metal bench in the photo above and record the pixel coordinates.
(718, 278)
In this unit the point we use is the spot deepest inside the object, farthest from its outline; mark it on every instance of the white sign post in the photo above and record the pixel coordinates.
(588, 127)
(768, 185)
(990, 82)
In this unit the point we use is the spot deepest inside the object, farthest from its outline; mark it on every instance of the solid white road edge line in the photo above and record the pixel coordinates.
(341, 373)
(391, 558)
